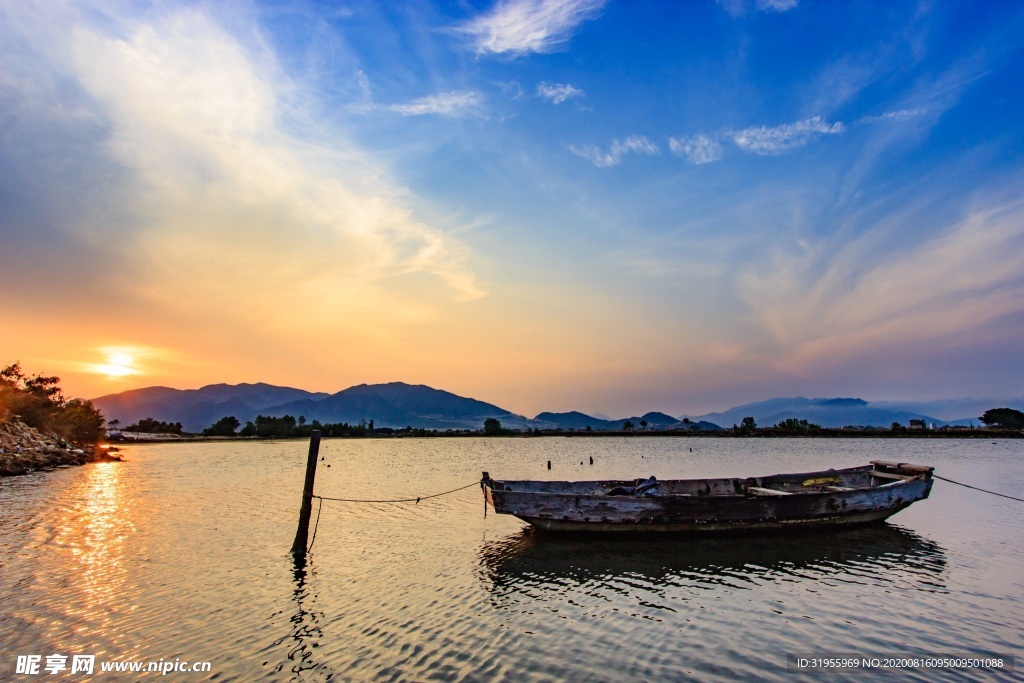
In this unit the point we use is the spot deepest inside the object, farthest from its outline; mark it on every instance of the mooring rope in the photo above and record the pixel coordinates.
(1001, 495)
(397, 500)
(316, 526)
(362, 500)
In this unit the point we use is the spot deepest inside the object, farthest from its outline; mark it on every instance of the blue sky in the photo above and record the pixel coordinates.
(550, 205)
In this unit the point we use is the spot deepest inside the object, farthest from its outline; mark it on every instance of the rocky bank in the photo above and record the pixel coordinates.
(24, 449)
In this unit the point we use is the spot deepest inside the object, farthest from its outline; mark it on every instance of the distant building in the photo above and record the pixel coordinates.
(918, 424)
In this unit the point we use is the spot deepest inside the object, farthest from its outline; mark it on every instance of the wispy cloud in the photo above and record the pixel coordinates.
(633, 144)
(519, 27)
(826, 305)
(221, 201)
(557, 92)
(738, 8)
(898, 115)
(704, 148)
(511, 89)
(778, 139)
(699, 149)
(775, 5)
(457, 103)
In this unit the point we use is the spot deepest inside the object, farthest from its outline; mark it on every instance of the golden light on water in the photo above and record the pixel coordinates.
(96, 531)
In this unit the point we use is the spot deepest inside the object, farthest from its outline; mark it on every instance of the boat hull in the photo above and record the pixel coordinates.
(738, 510)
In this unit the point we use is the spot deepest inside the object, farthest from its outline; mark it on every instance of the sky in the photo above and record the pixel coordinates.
(592, 205)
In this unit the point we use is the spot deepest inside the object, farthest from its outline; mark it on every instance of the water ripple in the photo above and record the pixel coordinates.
(181, 552)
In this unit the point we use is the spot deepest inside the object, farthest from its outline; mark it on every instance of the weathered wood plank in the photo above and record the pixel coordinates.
(758, 491)
(902, 466)
(886, 475)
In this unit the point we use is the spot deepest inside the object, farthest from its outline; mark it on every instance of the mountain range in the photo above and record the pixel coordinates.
(827, 412)
(399, 405)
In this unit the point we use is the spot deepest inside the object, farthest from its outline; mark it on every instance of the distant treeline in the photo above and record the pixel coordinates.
(998, 421)
(289, 426)
(148, 425)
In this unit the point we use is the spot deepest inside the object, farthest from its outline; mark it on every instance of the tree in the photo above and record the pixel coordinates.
(225, 426)
(492, 426)
(79, 421)
(149, 425)
(1003, 418)
(748, 424)
(792, 424)
(628, 426)
(36, 400)
(39, 402)
(643, 424)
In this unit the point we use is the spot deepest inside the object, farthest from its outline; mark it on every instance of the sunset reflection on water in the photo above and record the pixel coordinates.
(181, 552)
(96, 534)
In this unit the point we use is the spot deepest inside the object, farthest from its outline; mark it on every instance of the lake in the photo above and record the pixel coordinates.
(181, 554)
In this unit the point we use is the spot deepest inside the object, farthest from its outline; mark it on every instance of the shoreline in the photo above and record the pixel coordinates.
(24, 450)
(725, 434)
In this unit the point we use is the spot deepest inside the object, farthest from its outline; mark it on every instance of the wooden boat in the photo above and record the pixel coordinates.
(857, 495)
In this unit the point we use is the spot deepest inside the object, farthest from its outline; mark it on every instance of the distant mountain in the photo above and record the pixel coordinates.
(398, 405)
(827, 412)
(655, 420)
(581, 421)
(573, 420)
(954, 410)
(196, 409)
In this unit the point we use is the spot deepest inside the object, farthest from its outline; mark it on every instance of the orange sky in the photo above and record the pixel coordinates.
(229, 193)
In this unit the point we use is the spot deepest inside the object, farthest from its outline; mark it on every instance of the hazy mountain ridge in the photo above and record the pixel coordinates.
(196, 409)
(843, 412)
(581, 421)
(398, 405)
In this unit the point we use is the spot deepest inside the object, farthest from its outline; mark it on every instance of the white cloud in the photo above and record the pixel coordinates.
(897, 115)
(226, 204)
(633, 144)
(738, 8)
(557, 92)
(775, 5)
(699, 149)
(457, 103)
(519, 27)
(776, 140)
(511, 89)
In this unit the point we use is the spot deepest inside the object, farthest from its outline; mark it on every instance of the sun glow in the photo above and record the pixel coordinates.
(118, 363)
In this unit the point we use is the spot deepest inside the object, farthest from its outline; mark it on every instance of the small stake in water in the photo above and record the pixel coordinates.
(302, 532)
(549, 464)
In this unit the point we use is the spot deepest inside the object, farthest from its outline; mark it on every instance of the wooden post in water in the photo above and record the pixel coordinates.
(302, 533)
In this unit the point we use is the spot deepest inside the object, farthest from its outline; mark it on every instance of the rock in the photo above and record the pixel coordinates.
(24, 449)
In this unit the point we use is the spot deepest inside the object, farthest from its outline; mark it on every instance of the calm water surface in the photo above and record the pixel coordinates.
(181, 552)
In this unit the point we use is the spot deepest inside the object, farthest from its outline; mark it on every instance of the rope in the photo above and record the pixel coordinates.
(315, 526)
(397, 500)
(1001, 495)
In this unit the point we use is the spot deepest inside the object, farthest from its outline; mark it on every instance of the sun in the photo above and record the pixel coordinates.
(119, 364)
